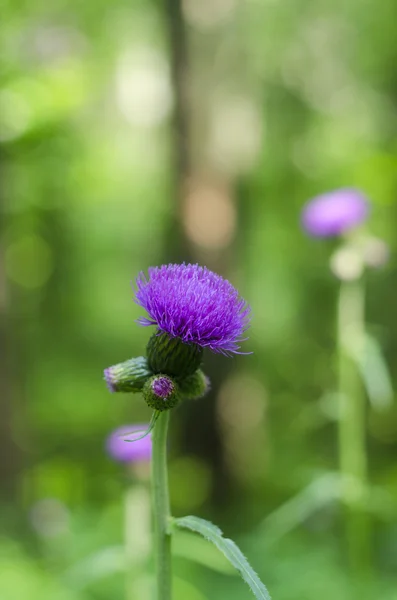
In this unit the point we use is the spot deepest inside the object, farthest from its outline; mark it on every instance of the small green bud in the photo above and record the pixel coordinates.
(128, 376)
(194, 386)
(173, 357)
(161, 392)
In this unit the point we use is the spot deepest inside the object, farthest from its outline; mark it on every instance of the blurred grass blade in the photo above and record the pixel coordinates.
(295, 511)
(229, 549)
(374, 373)
(98, 566)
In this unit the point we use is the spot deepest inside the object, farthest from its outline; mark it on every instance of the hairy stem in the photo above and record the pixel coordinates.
(161, 508)
(352, 429)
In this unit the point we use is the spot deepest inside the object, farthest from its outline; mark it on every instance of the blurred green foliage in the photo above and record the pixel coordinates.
(285, 100)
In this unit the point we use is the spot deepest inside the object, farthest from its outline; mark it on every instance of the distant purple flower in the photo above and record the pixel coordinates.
(335, 212)
(137, 451)
(194, 304)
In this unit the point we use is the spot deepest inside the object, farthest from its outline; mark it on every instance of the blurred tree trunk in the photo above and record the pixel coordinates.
(180, 65)
(10, 453)
(201, 434)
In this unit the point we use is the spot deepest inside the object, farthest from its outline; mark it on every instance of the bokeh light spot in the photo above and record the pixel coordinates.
(29, 261)
(347, 264)
(190, 481)
(205, 14)
(49, 517)
(144, 93)
(236, 135)
(15, 115)
(209, 215)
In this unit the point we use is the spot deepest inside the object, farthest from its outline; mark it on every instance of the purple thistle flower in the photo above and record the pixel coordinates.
(194, 304)
(125, 451)
(333, 213)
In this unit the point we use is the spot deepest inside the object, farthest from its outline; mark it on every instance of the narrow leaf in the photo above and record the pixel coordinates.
(229, 549)
(134, 436)
(196, 549)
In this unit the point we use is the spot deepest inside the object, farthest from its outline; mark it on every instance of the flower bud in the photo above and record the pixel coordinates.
(194, 386)
(161, 392)
(173, 357)
(128, 376)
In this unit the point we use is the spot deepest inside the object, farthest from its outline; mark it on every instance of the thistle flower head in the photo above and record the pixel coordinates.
(333, 213)
(120, 449)
(194, 304)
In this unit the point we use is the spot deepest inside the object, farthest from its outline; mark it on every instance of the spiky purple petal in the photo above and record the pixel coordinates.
(194, 304)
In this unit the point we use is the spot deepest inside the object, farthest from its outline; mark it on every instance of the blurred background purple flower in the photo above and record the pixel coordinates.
(124, 451)
(333, 213)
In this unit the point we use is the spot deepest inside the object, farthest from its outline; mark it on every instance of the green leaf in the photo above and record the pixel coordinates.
(229, 549)
(196, 549)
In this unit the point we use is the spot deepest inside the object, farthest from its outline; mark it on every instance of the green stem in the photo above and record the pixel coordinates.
(161, 508)
(352, 427)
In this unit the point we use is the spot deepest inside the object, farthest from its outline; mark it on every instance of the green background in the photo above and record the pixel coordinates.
(138, 133)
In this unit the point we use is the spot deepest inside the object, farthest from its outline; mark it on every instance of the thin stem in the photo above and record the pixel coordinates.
(352, 428)
(161, 508)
